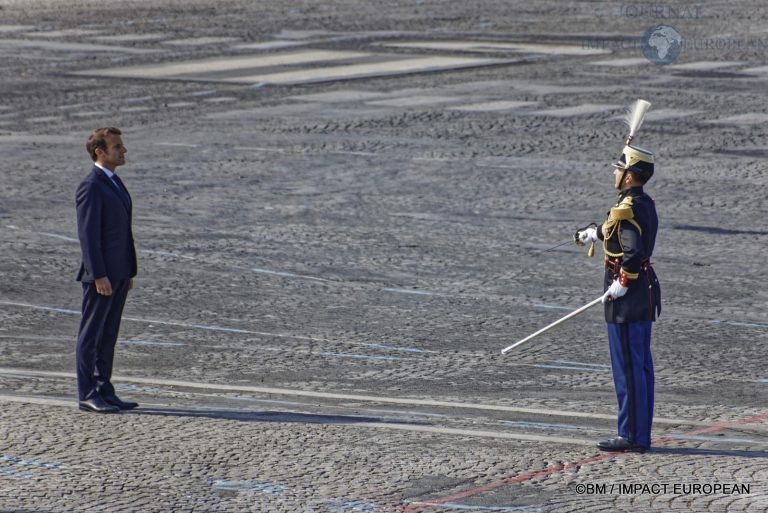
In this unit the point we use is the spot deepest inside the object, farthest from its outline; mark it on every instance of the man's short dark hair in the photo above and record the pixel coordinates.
(96, 140)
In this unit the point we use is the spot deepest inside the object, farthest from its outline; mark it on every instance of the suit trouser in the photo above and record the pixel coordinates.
(633, 378)
(99, 326)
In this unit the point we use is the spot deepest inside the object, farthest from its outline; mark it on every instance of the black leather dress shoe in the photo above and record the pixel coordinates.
(620, 444)
(123, 405)
(97, 405)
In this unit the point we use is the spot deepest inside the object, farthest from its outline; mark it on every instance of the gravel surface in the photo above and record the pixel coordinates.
(344, 211)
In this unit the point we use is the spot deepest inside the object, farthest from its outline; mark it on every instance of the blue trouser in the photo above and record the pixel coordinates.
(632, 364)
(99, 326)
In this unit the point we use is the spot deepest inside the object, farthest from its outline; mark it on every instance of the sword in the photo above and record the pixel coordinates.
(573, 239)
(559, 321)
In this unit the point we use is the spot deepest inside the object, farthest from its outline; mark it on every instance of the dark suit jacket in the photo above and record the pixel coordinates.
(104, 230)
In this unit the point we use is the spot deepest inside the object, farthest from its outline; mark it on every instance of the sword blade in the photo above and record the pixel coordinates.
(549, 327)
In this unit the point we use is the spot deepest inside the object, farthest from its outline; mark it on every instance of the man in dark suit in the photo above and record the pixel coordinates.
(107, 268)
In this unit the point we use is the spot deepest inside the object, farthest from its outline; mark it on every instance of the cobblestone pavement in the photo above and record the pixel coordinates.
(344, 211)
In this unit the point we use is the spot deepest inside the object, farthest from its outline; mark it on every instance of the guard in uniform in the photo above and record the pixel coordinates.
(632, 297)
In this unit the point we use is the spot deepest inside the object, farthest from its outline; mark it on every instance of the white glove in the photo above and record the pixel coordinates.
(615, 291)
(587, 236)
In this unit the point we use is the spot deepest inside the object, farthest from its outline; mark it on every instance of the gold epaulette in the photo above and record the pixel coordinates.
(623, 211)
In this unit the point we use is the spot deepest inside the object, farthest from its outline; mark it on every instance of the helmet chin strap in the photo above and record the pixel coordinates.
(620, 180)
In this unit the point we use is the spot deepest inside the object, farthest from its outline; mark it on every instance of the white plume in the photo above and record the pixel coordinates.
(635, 116)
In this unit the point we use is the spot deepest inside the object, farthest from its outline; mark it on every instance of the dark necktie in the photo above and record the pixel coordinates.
(121, 189)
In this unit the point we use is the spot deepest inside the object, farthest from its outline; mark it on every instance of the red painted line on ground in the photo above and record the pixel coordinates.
(509, 481)
(553, 469)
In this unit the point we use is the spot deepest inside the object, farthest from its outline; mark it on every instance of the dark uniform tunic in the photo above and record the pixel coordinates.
(629, 235)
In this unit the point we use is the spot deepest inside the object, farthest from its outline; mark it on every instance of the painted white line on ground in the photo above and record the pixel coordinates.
(44, 401)
(143, 251)
(269, 45)
(397, 348)
(542, 425)
(409, 413)
(409, 291)
(706, 65)
(482, 433)
(583, 364)
(748, 119)
(63, 33)
(49, 401)
(628, 63)
(355, 153)
(15, 28)
(491, 46)
(398, 66)
(151, 343)
(57, 236)
(35, 337)
(567, 367)
(254, 148)
(355, 397)
(492, 106)
(61, 46)
(170, 323)
(139, 99)
(200, 41)
(182, 145)
(205, 67)
(43, 308)
(414, 101)
(363, 356)
(225, 329)
(286, 274)
(761, 70)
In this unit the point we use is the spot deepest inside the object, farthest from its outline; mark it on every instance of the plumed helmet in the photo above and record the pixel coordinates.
(637, 160)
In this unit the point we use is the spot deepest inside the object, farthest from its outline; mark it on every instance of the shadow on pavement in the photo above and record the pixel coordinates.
(266, 416)
(708, 452)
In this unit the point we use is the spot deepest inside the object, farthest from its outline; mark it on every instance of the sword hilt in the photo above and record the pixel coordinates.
(591, 250)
